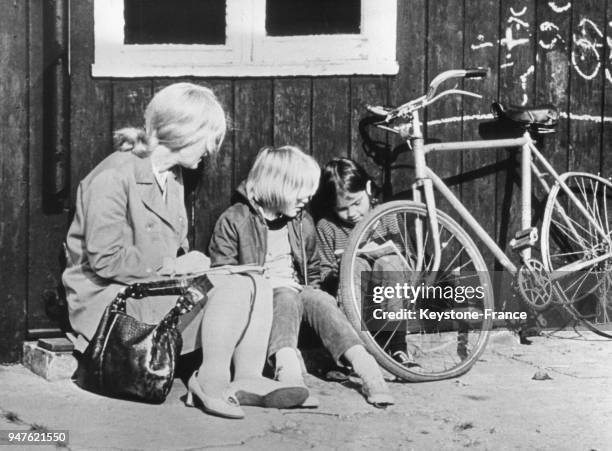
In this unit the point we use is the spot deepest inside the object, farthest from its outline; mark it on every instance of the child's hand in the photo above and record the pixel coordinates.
(339, 253)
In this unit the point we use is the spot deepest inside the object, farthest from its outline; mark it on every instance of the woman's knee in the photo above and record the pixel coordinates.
(233, 291)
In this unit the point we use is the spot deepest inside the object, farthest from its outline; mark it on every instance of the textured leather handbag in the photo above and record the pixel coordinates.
(130, 359)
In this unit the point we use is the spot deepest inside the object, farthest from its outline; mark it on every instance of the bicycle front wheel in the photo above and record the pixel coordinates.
(441, 330)
(570, 240)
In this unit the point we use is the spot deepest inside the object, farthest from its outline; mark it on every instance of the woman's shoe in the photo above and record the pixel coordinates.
(226, 406)
(263, 392)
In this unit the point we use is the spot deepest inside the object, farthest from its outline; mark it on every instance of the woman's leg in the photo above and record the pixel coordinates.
(250, 354)
(225, 318)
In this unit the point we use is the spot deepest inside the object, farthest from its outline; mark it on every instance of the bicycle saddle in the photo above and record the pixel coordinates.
(541, 119)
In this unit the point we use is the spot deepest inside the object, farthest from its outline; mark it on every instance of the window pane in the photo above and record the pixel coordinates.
(174, 21)
(304, 17)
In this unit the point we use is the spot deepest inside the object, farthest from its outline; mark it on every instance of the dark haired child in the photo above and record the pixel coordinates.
(345, 195)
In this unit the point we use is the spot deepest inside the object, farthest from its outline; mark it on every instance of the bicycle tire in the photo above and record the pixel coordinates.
(590, 291)
(433, 363)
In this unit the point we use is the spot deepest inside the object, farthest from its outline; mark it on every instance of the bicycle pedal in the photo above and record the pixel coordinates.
(524, 239)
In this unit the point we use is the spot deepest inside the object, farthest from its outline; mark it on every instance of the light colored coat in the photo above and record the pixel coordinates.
(121, 232)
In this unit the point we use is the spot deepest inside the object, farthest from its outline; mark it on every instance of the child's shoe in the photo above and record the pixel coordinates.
(262, 392)
(374, 387)
(404, 359)
(289, 367)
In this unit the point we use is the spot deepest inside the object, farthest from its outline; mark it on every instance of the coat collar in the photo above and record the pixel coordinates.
(151, 194)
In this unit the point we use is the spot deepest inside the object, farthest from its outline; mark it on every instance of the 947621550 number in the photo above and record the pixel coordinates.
(47, 437)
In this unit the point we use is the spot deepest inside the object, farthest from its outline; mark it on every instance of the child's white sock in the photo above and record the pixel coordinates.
(289, 370)
(374, 386)
(288, 367)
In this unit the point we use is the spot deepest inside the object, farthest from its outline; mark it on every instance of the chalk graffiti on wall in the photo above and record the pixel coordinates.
(586, 47)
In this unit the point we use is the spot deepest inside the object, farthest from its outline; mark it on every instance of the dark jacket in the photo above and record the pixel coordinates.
(240, 238)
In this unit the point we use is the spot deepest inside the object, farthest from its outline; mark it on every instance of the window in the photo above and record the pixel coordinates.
(139, 38)
(177, 22)
(307, 17)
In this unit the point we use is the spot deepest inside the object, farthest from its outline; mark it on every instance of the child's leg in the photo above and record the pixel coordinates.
(362, 278)
(391, 270)
(328, 321)
(341, 340)
(286, 321)
(374, 386)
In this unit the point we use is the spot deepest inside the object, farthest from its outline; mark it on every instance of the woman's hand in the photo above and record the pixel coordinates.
(190, 263)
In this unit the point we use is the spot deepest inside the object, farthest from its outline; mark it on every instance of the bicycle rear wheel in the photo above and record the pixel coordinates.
(442, 347)
(568, 237)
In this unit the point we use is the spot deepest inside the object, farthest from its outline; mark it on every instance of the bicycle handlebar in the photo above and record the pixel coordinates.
(479, 72)
(430, 97)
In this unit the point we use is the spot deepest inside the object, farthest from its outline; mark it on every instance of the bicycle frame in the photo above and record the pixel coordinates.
(427, 180)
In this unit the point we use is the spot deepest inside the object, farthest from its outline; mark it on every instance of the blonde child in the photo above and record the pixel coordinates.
(269, 227)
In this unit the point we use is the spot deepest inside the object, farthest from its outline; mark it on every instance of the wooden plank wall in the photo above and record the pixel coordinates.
(537, 51)
(14, 163)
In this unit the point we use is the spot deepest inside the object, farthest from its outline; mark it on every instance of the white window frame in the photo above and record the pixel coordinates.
(248, 52)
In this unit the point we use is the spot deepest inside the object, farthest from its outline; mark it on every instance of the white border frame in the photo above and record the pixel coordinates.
(248, 52)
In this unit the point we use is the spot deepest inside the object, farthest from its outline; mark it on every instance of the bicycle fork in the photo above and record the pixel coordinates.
(423, 187)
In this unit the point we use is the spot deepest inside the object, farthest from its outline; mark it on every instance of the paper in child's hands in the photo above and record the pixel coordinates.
(375, 250)
(235, 269)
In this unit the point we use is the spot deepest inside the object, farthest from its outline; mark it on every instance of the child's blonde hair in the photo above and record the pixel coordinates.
(280, 175)
(179, 115)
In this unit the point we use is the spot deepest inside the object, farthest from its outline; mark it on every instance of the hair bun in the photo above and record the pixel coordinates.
(130, 139)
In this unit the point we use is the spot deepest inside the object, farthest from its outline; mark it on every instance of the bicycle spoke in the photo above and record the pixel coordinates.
(442, 347)
(570, 235)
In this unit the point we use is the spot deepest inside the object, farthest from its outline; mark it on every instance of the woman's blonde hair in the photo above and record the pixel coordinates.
(280, 175)
(179, 115)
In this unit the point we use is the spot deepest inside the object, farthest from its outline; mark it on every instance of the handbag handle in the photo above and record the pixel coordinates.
(191, 290)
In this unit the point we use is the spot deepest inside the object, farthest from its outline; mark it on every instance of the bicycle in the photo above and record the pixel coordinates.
(574, 271)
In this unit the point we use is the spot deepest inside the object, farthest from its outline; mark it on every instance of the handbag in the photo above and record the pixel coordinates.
(133, 360)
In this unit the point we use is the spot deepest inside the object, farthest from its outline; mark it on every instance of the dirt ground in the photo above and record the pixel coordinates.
(496, 405)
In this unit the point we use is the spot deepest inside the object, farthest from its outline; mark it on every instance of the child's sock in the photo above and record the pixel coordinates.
(289, 371)
(374, 386)
(288, 367)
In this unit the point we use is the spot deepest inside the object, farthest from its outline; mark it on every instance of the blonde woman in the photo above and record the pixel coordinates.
(130, 225)
(268, 226)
